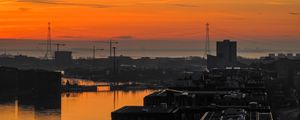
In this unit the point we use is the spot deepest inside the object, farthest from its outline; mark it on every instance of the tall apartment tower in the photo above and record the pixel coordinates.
(227, 52)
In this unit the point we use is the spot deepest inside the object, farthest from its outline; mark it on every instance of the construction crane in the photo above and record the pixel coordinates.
(56, 44)
(94, 51)
(110, 42)
(115, 68)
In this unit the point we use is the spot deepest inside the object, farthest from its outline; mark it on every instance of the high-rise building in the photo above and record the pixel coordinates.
(63, 58)
(226, 55)
(227, 52)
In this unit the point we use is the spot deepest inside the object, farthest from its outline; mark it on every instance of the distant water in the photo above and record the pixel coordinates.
(137, 49)
(75, 106)
(137, 53)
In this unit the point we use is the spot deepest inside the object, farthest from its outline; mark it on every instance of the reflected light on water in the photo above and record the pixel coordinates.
(74, 106)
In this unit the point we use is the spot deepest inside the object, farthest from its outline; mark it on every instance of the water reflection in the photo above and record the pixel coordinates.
(98, 105)
(69, 106)
(30, 108)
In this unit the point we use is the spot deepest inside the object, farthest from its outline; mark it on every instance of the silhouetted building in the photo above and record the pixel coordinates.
(272, 55)
(162, 112)
(29, 82)
(237, 114)
(226, 55)
(278, 56)
(281, 55)
(212, 61)
(63, 58)
(35, 89)
(288, 71)
(231, 93)
(298, 55)
(227, 52)
(9, 80)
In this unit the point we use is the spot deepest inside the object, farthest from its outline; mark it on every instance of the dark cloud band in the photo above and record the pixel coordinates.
(55, 2)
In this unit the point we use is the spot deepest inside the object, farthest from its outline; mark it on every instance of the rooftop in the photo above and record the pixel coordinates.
(236, 114)
(142, 109)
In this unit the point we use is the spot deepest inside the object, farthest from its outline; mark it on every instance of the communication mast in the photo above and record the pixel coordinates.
(49, 43)
(207, 41)
(94, 51)
(111, 43)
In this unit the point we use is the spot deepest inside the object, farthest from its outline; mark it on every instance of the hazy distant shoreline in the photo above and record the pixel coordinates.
(144, 48)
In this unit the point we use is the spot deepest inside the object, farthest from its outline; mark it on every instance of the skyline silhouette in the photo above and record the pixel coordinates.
(149, 60)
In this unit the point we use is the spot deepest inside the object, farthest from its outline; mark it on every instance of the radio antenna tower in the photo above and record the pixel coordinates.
(49, 43)
(207, 41)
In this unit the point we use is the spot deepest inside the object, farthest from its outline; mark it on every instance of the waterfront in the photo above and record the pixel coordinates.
(75, 106)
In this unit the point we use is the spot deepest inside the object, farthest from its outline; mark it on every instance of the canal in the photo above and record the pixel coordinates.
(72, 106)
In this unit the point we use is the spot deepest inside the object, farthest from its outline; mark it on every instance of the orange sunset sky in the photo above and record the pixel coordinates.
(150, 19)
